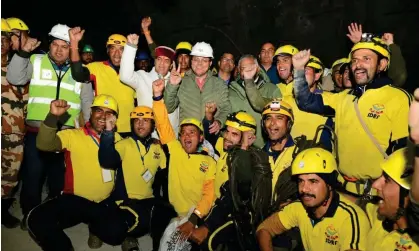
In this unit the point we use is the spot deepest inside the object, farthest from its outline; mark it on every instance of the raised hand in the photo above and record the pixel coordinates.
(210, 109)
(110, 122)
(248, 139)
(388, 38)
(250, 72)
(158, 87)
(175, 77)
(30, 44)
(133, 39)
(58, 107)
(414, 118)
(76, 34)
(215, 127)
(145, 23)
(355, 32)
(300, 59)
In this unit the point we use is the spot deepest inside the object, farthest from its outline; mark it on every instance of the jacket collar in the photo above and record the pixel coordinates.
(376, 83)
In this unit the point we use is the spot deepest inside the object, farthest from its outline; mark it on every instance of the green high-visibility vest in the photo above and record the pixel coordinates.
(43, 90)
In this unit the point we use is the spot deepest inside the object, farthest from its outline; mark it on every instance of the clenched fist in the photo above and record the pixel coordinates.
(76, 34)
(158, 87)
(58, 107)
(300, 59)
(145, 23)
(133, 39)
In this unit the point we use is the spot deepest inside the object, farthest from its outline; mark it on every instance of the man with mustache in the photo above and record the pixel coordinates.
(370, 120)
(327, 220)
(191, 170)
(105, 75)
(142, 157)
(277, 122)
(390, 229)
(87, 184)
(49, 78)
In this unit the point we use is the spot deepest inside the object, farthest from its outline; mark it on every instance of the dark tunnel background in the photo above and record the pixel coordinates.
(237, 26)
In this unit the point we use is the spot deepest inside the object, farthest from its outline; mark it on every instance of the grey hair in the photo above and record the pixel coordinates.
(250, 56)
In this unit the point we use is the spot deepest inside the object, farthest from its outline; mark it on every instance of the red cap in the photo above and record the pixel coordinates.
(165, 51)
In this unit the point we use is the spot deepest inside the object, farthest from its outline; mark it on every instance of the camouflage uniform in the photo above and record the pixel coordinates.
(13, 112)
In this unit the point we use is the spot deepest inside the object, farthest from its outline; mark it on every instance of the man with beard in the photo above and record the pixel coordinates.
(142, 61)
(86, 182)
(277, 122)
(87, 54)
(191, 171)
(104, 75)
(142, 81)
(374, 111)
(239, 130)
(389, 226)
(283, 59)
(327, 220)
(241, 91)
(49, 78)
(142, 157)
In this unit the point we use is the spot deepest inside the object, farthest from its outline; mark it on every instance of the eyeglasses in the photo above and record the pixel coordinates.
(201, 60)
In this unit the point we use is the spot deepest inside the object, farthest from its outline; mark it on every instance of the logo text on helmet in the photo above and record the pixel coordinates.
(106, 102)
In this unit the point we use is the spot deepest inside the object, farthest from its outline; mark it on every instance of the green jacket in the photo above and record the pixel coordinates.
(397, 70)
(245, 99)
(191, 100)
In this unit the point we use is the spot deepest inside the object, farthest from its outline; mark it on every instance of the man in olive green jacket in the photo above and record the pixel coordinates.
(243, 95)
(198, 88)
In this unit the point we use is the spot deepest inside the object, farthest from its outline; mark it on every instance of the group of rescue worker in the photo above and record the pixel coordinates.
(274, 153)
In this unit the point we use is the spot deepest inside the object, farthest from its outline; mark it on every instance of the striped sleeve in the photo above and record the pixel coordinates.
(399, 122)
(354, 228)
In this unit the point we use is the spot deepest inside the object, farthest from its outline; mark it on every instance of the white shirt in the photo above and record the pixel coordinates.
(142, 82)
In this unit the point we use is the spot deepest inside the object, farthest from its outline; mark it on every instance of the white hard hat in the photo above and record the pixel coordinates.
(60, 31)
(202, 49)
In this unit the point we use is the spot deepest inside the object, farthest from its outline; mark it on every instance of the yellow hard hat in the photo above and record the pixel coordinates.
(184, 46)
(314, 62)
(340, 61)
(107, 101)
(16, 23)
(193, 121)
(241, 121)
(277, 106)
(395, 167)
(314, 160)
(116, 39)
(287, 50)
(373, 43)
(144, 112)
(5, 26)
